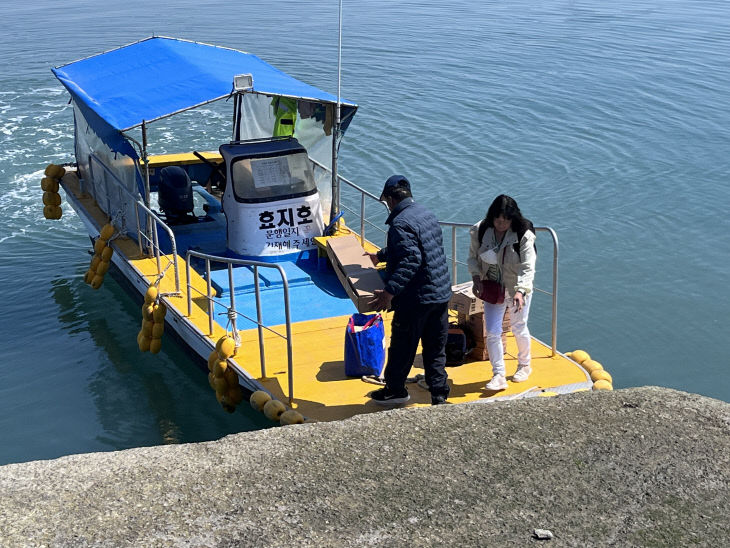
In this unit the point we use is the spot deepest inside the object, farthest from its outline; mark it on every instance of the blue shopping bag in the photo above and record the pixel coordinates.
(364, 345)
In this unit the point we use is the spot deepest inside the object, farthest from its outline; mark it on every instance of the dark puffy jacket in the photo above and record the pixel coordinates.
(416, 268)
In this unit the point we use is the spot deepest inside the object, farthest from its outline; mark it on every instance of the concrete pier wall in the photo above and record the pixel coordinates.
(636, 467)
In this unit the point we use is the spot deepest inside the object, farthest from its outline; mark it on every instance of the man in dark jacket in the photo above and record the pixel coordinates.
(417, 288)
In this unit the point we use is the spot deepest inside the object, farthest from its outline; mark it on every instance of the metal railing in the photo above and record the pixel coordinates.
(151, 242)
(150, 236)
(363, 195)
(455, 263)
(233, 312)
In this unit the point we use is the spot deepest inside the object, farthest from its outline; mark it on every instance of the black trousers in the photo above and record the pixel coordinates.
(428, 323)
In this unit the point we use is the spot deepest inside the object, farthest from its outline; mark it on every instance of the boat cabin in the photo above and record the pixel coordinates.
(271, 208)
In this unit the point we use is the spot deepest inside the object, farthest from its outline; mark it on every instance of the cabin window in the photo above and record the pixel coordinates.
(272, 178)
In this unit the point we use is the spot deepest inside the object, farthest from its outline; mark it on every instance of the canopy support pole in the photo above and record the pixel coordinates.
(145, 160)
(335, 208)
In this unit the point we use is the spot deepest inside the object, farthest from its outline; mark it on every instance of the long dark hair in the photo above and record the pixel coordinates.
(506, 207)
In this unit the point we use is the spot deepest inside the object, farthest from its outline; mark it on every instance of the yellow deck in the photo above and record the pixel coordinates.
(321, 390)
(182, 158)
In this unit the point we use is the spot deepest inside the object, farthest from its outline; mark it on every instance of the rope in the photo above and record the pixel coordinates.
(231, 314)
(161, 275)
(118, 220)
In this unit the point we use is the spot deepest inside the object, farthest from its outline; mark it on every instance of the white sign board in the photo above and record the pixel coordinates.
(274, 228)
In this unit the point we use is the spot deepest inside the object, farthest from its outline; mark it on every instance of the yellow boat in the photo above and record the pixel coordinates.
(232, 250)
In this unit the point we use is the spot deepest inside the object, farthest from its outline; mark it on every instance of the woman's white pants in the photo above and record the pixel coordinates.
(493, 315)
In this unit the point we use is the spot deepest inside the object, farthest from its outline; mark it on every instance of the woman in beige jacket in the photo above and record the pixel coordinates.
(503, 250)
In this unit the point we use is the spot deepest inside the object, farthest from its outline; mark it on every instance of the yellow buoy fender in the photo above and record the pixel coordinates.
(591, 366)
(579, 356)
(219, 370)
(99, 245)
(602, 385)
(291, 417)
(102, 268)
(273, 409)
(234, 394)
(226, 347)
(601, 374)
(155, 345)
(220, 384)
(106, 254)
(258, 399)
(95, 260)
(52, 212)
(52, 198)
(147, 328)
(151, 295)
(148, 312)
(211, 380)
(55, 171)
(107, 231)
(157, 330)
(159, 312)
(144, 343)
(231, 377)
(97, 281)
(89, 276)
(49, 184)
(212, 359)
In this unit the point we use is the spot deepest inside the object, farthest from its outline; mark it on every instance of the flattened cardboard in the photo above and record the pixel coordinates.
(355, 270)
(463, 300)
(349, 253)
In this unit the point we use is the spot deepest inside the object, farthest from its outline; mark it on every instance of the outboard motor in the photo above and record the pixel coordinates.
(271, 199)
(175, 194)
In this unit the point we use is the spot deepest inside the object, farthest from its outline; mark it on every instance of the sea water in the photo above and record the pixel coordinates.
(608, 122)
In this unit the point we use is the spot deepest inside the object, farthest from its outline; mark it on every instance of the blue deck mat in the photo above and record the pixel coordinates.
(243, 278)
(313, 295)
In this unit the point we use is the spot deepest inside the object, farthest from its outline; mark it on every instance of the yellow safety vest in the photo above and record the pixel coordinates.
(285, 111)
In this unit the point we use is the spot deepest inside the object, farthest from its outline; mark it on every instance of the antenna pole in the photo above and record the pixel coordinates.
(335, 208)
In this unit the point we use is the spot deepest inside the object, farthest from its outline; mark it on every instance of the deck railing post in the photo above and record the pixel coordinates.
(362, 220)
(139, 228)
(259, 311)
(556, 251)
(289, 349)
(453, 254)
(174, 265)
(190, 294)
(209, 296)
(156, 246)
(232, 316)
(262, 353)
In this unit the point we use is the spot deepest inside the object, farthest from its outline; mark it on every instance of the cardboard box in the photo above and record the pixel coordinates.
(478, 329)
(355, 270)
(463, 300)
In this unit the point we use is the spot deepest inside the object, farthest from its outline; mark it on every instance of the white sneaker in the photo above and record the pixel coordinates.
(523, 371)
(498, 382)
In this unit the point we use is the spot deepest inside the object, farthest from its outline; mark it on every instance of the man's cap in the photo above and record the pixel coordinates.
(394, 182)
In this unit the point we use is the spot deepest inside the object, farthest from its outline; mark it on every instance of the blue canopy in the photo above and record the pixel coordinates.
(160, 76)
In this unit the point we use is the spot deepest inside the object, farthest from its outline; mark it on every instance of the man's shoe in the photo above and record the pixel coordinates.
(438, 400)
(386, 397)
(498, 382)
(523, 371)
